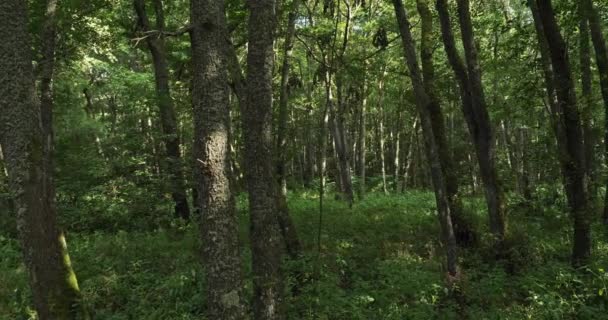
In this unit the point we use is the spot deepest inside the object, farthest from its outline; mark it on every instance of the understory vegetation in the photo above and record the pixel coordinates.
(379, 260)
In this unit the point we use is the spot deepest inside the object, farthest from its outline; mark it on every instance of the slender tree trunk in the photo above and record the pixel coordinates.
(268, 280)
(587, 97)
(396, 155)
(362, 139)
(283, 102)
(572, 147)
(337, 125)
(381, 128)
(461, 226)
(409, 158)
(211, 105)
(601, 59)
(53, 282)
(524, 165)
(423, 101)
(475, 110)
(156, 45)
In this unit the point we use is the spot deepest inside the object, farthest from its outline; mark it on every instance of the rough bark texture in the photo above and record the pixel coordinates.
(156, 45)
(266, 244)
(572, 157)
(219, 225)
(475, 109)
(54, 286)
(601, 59)
(423, 101)
(239, 87)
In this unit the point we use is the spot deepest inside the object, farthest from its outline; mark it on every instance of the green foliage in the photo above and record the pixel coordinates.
(380, 260)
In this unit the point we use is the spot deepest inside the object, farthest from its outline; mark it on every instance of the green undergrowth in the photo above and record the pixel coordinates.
(379, 260)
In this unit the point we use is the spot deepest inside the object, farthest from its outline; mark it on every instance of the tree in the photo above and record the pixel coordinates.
(462, 229)
(572, 156)
(52, 280)
(266, 244)
(423, 102)
(475, 109)
(219, 225)
(156, 44)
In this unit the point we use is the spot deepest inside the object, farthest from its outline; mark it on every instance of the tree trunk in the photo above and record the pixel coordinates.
(281, 153)
(268, 281)
(340, 143)
(362, 139)
(409, 158)
(571, 148)
(601, 59)
(423, 101)
(381, 128)
(461, 226)
(156, 45)
(211, 106)
(587, 97)
(475, 110)
(53, 282)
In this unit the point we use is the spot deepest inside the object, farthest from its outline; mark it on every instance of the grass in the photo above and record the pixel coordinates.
(379, 260)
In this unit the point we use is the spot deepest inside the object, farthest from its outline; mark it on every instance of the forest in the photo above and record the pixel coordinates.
(303, 159)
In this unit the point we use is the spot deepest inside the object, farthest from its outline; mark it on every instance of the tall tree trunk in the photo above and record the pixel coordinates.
(266, 244)
(362, 138)
(423, 101)
(53, 282)
(409, 158)
(475, 110)
(156, 45)
(601, 59)
(281, 153)
(571, 147)
(211, 106)
(461, 226)
(340, 143)
(288, 229)
(239, 87)
(587, 97)
(381, 128)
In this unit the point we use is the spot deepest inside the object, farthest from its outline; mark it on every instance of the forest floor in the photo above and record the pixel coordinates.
(379, 260)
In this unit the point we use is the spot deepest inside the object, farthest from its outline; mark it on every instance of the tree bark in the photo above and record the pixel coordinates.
(572, 147)
(266, 244)
(423, 101)
(156, 45)
(211, 106)
(52, 280)
(475, 110)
